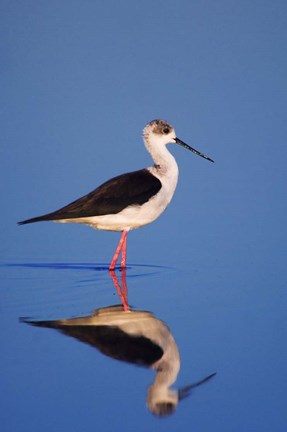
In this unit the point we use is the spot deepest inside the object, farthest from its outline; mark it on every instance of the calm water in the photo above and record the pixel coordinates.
(217, 323)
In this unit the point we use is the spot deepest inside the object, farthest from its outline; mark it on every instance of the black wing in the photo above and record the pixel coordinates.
(134, 188)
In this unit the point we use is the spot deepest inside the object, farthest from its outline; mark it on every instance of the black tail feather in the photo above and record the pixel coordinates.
(47, 217)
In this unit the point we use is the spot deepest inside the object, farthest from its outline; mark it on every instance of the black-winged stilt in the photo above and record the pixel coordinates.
(130, 200)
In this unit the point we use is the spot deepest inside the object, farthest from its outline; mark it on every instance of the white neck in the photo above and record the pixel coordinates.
(163, 159)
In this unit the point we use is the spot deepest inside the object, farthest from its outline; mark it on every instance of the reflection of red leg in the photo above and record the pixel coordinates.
(122, 245)
(124, 284)
(122, 292)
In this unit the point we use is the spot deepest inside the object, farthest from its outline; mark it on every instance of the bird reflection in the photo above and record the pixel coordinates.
(132, 336)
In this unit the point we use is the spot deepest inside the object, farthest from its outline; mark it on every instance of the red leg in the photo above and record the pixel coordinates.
(124, 253)
(122, 244)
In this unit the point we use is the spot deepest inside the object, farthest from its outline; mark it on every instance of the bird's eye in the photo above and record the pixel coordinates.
(166, 130)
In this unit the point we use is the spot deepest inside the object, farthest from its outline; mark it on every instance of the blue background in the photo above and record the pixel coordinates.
(79, 80)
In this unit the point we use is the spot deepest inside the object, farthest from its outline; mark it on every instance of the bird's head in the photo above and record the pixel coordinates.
(160, 132)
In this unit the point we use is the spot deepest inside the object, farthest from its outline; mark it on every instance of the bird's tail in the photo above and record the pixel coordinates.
(46, 217)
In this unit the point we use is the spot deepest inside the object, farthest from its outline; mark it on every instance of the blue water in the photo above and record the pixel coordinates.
(233, 326)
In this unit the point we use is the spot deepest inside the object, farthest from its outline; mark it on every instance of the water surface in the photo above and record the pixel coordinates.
(55, 381)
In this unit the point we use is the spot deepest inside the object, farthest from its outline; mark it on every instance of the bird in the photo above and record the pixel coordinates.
(131, 200)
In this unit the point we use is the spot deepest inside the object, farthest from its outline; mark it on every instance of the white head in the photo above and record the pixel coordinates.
(159, 133)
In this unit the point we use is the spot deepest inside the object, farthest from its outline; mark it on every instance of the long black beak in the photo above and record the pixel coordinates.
(181, 143)
(185, 391)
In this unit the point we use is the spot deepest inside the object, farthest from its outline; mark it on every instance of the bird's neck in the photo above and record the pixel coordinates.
(163, 160)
